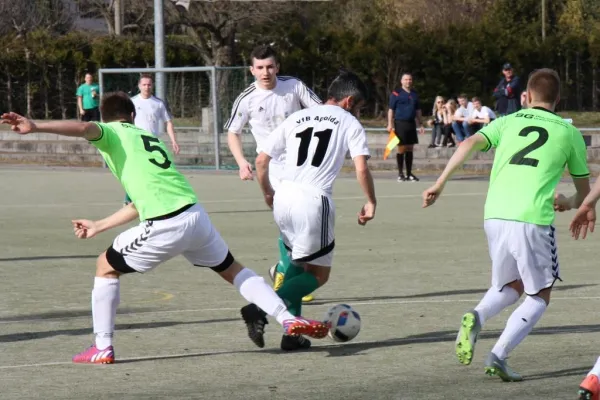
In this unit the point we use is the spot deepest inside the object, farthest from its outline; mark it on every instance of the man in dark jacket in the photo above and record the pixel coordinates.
(508, 92)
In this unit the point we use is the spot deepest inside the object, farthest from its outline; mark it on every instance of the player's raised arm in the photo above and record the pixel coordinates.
(23, 126)
(474, 143)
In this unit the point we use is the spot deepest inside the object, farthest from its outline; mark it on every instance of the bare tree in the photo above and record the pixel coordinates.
(23, 17)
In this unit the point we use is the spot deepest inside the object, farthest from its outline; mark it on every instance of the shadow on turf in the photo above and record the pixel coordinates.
(350, 349)
(321, 301)
(354, 349)
(17, 337)
(43, 258)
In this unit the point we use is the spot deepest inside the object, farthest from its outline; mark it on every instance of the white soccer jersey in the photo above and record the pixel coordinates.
(150, 113)
(264, 109)
(316, 141)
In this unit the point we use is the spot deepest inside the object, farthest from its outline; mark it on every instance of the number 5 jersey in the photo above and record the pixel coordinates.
(142, 163)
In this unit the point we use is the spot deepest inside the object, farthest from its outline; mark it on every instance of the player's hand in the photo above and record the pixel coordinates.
(246, 172)
(431, 195)
(18, 123)
(367, 213)
(389, 128)
(82, 112)
(584, 219)
(269, 200)
(561, 203)
(422, 130)
(84, 229)
(175, 148)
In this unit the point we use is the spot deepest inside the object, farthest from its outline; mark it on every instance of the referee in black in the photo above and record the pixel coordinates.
(404, 115)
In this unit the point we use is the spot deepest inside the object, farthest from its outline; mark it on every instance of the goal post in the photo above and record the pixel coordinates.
(199, 100)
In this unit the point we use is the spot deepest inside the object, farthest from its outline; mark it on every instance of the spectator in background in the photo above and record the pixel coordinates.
(449, 109)
(481, 116)
(404, 115)
(88, 99)
(151, 112)
(460, 121)
(437, 122)
(508, 92)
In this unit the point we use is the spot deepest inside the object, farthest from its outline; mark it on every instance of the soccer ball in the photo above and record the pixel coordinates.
(345, 323)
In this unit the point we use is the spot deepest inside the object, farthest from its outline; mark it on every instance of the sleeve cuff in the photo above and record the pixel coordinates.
(489, 142)
(101, 133)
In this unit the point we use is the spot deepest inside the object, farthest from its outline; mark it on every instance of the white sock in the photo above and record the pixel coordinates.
(105, 300)
(495, 301)
(255, 290)
(596, 369)
(519, 324)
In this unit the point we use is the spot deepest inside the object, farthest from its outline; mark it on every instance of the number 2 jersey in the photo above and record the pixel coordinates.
(316, 141)
(533, 146)
(142, 163)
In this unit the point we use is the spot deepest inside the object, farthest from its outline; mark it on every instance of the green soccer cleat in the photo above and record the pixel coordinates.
(497, 367)
(467, 337)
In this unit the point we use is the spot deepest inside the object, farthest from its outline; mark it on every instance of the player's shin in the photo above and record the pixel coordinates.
(255, 290)
(293, 304)
(105, 300)
(294, 289)
(519, 324)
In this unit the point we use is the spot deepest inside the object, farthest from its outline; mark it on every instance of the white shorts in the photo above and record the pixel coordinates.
(522, 251)
(153, 242)
(305, 216)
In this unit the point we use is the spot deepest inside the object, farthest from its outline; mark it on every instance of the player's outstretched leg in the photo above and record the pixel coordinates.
(472, 322)
(518, 326)
(264, 301)
(105, 300)
(589, 388)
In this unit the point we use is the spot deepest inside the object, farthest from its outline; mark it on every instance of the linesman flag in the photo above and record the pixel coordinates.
(393, 141)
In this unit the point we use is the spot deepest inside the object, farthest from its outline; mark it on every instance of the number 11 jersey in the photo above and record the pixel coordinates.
(315, 142)
(533, 146)
(142, 163)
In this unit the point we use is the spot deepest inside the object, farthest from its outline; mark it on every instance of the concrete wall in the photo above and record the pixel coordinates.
(197, 150)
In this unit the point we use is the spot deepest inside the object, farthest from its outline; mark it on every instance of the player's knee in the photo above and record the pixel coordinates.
(104, 269)
(228, 269)
(320, 272)
(545, 295)
(517, 286)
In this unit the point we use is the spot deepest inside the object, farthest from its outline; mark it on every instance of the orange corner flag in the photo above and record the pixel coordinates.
(393, 141)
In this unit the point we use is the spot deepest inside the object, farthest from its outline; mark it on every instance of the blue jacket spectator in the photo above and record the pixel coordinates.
(508, 92)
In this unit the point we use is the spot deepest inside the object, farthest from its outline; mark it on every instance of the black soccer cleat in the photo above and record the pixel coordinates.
(255, 320)
(291, 343)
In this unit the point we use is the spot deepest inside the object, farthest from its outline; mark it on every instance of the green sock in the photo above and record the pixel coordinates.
(295, 288)
(284, 258)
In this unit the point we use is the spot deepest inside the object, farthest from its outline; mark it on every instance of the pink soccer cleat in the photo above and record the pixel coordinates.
(94, 356)
(307, 327)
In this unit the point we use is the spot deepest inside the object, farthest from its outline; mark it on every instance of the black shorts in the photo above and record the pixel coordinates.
(92, 114)
(406, 131)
